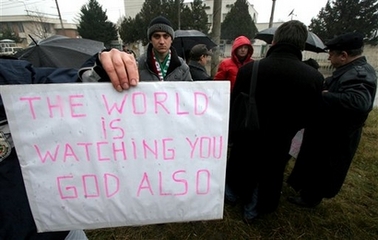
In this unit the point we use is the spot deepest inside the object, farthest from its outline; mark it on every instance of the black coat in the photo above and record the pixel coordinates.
(288, 94)
(328, 148)
(198, 71)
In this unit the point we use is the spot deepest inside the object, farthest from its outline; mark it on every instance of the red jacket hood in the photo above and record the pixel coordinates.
(240, 41)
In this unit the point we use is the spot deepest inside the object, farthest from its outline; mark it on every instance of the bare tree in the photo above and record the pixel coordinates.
(40, 25)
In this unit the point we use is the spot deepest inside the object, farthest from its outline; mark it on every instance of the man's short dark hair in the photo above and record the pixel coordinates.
(292, 32)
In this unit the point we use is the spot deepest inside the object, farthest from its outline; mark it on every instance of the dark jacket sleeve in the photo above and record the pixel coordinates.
(22, 72)
(92, 71)
(18, 222)
(354, 91)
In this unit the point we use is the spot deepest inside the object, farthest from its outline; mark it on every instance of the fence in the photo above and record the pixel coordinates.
(370, 52)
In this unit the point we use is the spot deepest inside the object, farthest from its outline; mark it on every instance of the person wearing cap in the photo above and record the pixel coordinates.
(241, 53)
(328, 148)
(160, 62)
(198, 59)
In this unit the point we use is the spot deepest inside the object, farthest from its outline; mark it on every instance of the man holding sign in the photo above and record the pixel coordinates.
(16, 220)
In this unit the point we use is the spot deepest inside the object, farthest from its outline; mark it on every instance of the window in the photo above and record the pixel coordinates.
(20, 27)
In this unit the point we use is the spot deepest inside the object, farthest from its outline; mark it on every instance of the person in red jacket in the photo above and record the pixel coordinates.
(241, 54)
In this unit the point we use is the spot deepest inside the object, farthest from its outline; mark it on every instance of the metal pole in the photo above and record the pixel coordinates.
(216, 32)
(272, 14)
(60, 17)
(178, 15)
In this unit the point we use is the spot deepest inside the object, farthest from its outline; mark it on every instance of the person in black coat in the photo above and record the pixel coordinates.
(199, 56)
(288, 94)
(328, 148)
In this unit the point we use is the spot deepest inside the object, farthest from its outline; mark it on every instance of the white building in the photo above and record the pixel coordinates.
(132, 7)
(36, 26)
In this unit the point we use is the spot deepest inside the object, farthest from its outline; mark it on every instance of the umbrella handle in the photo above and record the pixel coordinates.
(33, 40)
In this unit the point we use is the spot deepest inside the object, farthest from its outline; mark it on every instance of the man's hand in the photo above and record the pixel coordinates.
(121, 68)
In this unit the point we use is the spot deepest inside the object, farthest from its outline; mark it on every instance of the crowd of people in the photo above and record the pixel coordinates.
(290, 95)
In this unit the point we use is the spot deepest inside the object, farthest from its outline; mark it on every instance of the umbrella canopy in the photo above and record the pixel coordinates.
(313, 42)
(186, 39)
(60, 51)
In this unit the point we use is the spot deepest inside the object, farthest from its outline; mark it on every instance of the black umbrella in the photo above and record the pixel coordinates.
(60, 51)
(313, 42)
(186, 39)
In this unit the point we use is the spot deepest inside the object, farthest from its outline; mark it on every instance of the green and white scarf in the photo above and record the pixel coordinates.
(162, 67)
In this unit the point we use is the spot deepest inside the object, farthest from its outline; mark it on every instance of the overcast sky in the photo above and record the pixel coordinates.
(304, 10)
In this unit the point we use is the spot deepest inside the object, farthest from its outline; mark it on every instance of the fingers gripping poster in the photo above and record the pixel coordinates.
(92, 157)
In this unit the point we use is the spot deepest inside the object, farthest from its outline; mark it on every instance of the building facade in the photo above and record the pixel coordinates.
(24, 26)
(132, 7)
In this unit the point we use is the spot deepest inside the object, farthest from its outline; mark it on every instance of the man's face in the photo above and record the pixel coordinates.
(204, 59)
(161, 42)
(337, 58)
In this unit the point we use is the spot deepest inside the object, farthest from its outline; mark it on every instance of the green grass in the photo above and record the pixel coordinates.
(352, 214)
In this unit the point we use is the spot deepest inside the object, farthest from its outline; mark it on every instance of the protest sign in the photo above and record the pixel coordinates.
(92, 157)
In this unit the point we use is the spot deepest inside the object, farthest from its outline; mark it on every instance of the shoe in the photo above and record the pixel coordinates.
(302, 203)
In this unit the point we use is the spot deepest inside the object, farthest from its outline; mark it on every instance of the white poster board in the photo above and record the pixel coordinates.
(92, 157)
